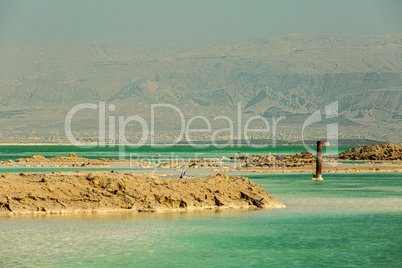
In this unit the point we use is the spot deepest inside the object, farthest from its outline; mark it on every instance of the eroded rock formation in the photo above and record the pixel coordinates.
(110, 191)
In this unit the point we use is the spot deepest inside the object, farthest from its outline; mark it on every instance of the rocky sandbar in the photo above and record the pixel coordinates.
(110, 191)
(387, 151)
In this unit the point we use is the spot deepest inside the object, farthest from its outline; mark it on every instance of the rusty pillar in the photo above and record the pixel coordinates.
(318, 173)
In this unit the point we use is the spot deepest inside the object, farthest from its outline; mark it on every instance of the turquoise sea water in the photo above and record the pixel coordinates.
(347, 220)
(148, 152)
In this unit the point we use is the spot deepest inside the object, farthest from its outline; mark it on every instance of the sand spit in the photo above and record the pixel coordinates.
(380, 158)
(297, 160)
(58, 159)
(63, 161)
(76, 161)
(373, 152)
(100, 191)
(72, 158)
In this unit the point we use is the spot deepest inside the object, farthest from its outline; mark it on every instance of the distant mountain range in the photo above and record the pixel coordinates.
(288, 75)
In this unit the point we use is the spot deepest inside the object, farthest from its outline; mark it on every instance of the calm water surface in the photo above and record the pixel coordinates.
(352, 220)
(149, 152)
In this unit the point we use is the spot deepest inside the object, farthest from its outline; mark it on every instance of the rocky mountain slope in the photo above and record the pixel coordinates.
(292, 75)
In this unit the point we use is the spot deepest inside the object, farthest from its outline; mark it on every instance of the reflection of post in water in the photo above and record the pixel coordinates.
(318, 171)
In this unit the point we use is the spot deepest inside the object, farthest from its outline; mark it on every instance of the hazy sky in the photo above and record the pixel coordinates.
(188, 22)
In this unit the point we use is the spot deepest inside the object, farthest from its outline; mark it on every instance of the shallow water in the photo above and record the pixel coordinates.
(346, 220)
(14, 152)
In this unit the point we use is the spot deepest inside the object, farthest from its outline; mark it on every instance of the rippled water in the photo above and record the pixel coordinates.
(346, 220)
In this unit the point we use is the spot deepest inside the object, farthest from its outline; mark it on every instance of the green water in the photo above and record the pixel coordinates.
(348, 220)
(148, 152)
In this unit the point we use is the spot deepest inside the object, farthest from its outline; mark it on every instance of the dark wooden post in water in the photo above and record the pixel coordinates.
(318, 172)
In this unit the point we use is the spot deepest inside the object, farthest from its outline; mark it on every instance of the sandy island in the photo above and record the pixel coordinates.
(101, 191)
(376, 158)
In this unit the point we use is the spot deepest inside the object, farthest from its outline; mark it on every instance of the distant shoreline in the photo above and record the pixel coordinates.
(223, 143)
(155, 145)
(29, 144)
(116, 145)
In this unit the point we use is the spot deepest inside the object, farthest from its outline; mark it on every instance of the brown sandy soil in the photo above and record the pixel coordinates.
(72, 158)
(65, 161)
(297, 160)
(76, 161)
(100, 191)
(373, 152)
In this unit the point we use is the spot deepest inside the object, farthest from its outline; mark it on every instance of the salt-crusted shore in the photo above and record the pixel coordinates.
(378, 158)
(100, 191)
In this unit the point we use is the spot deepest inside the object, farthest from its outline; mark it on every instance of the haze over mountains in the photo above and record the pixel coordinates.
(291, 75)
